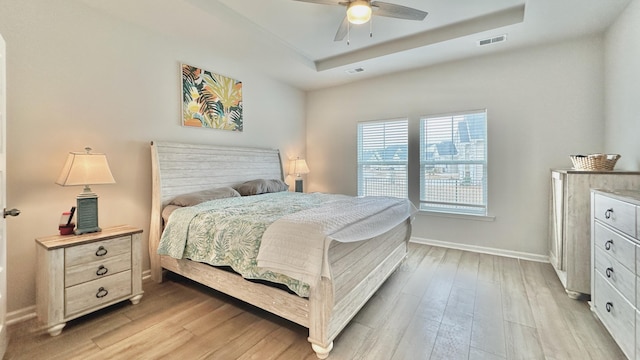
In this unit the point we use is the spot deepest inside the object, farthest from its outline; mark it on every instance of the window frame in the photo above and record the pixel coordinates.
(450, 207)
(414, 165)
(389, 164)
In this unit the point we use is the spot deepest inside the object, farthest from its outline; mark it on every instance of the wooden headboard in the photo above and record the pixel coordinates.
(178, 168)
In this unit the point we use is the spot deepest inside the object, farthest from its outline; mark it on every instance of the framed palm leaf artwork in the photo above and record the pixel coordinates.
(210, 100)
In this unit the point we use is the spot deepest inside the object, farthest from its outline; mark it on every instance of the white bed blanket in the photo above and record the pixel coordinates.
(296, 245)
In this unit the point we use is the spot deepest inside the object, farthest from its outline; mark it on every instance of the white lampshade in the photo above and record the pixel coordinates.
(85, 168)
(359, 12)
(298, 167)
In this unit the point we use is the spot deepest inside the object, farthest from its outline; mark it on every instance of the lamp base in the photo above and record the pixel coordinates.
(299, 185)
(87, 213)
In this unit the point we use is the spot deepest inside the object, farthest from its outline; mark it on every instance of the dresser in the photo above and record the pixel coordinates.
(615, 273)
(569, 229)
(79, 274)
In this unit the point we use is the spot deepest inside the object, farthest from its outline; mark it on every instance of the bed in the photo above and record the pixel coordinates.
(355, 269)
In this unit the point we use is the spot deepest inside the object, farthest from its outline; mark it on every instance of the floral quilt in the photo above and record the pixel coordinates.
(227, 232)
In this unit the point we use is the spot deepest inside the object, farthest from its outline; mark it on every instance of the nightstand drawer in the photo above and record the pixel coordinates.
(94, 293)
(95, 251)
(615, 245)
(618, 214)
(97, 269)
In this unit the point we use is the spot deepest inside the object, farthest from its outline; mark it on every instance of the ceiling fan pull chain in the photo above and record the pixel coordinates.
(371, 28)
(348, 33)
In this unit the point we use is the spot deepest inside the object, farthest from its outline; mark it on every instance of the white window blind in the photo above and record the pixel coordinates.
(453, 163)
(382, 158)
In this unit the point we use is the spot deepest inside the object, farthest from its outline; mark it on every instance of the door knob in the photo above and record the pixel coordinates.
(12, 212)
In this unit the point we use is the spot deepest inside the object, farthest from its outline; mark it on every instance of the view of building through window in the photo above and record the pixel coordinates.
(453, 161)
(382, 158)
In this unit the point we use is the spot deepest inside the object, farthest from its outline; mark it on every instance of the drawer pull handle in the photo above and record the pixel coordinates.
(103, 270)
(608, 244)
(101, 251)
(607, 214)
(609, 306)
(609, 271)
(102, 292)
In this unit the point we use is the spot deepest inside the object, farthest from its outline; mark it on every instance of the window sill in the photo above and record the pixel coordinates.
(456, 216)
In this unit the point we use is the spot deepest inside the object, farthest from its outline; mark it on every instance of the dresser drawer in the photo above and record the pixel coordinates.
(94, 293)
(96, 269)
(98, 250)
(616, 314)
(637, 335)
(615, 245)
(638, 295)
(618, 214)
(617, 275)
(638, 279)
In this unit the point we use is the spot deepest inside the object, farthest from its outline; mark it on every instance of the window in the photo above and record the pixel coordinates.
(453, 163)
(452, 173)
(382, 158)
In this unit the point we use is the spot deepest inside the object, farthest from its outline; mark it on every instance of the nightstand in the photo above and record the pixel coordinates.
(79, 274)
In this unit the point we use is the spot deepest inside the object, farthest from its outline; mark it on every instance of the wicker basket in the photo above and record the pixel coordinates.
(594, 162)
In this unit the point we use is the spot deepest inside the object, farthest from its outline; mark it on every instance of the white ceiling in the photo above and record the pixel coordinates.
(292, 41)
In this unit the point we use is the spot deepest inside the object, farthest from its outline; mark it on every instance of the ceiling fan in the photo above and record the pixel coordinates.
(360, 12)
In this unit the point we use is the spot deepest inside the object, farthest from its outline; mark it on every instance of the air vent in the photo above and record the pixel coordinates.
(492, 40)
(355, 71)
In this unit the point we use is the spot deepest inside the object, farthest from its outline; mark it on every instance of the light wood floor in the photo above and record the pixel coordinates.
(441, 304)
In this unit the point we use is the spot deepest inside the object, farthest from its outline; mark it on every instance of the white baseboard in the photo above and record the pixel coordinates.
(21, 315)
(482, 249)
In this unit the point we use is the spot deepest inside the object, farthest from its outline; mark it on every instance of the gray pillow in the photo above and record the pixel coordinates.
(167, 210)
(198, 197)
(261, 186)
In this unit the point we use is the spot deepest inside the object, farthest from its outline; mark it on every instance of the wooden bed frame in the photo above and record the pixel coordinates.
(358, 269)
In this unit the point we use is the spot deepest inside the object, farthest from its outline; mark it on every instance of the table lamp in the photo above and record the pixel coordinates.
(298, 167)
(86, 168)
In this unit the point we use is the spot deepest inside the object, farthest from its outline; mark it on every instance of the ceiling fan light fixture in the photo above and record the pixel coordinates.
(359, 12)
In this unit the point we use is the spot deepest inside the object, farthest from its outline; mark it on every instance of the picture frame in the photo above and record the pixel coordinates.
(211, 100)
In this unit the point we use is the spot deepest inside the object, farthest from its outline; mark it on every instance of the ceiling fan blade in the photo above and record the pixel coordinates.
(397, 11)
(323, 2)
(342, 30)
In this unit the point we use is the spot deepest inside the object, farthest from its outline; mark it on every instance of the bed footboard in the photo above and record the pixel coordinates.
(360, 268)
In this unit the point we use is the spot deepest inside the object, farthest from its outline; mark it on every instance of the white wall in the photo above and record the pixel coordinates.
(79, 78)
(622, 88)
(543, 104)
